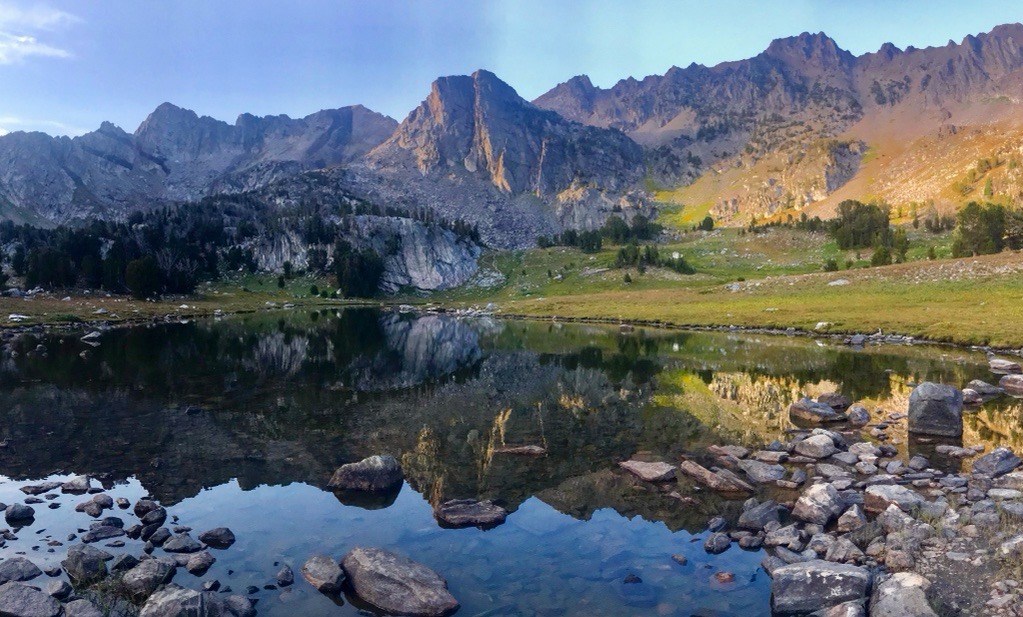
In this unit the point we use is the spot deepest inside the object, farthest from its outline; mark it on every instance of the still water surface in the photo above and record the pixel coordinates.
(241, 422)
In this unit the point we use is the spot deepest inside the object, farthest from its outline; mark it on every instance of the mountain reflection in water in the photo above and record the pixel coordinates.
(259, 411)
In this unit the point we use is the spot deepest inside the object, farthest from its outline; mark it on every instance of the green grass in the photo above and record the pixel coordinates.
(775, 280)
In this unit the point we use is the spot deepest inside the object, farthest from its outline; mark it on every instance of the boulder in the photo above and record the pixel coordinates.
(998, 462)
(18, 569)
(878, 497)
(285, 576)
(901, 595)
(221, 537)
(199, 562)
(76, 485)
(18, 600)
(375, 473)
(936, 409)
(757, 517)
(1012, 384)
(761, 473)
(86, 564)
(809, 410)
(816, 446)
(816, 585)
(141, 581)
(717, 543)
(323, 573)
(175, 601)
(818, 504)
(18, 515)
(852, 519)
(82, 608)
(649, 472)
(397, 585)
(471, 513)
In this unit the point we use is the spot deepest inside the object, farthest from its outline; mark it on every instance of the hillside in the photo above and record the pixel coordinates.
(806, 124)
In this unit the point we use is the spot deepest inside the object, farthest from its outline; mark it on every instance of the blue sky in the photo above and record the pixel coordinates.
(66, 66)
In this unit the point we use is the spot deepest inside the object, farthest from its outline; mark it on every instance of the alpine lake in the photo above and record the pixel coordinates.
(240, 422)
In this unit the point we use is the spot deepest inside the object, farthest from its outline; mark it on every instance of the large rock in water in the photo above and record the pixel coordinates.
(323, 573)
(18, 600)
(175, 601)
(936, 409)
(878, 497)
(902, 594)
(809, 586)
(649, 472)
(1012, 384)
(818, 504)
(375, 473)
(398, 585)
(18, 569)
(141, 581)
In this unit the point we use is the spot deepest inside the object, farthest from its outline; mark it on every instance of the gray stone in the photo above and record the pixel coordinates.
(852, 519)
(59, 589)
(758, 516)
(18, 600)
(858, 415)
(835, 400)
(998, 462)
(221, 537)
(175, 601)
(984, 388)
(17, 514)
(816, 446)
(1003, 366)
(902, 594)
(398, 585)
(375, 473)
(760, 472)
(181, 543)
(323, 573)
(472, 513)
(199, 562)
(818, 504)
(82, 608)
(817, 585)
(18, 569)
(808, 410)
(1012, 384)
(717, 543)
(936, 409)
(878, 497)
(141, 581)
(86, 564)
(285, 576)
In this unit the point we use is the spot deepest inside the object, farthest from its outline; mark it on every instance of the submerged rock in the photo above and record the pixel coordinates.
(86, 564)
(810, 410)
(17, 515)
(936, 409)
(396, 584)
(375, 473)
(470, 513)
(18, 569)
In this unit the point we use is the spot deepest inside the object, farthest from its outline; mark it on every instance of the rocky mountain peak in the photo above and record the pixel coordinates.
(810, 49)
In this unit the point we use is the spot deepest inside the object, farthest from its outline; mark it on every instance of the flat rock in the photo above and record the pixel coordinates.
(181, 543)
(649, 472)
(760, 472)
(398, 585)
(82, 608)
(323, 573)
(718, 481)
(18, 600)
(1003, 366)
(199, 562)
(815, 585)
(878, 497)
(471, 513)
(1012, 384)
(759, 516)
(375, 473)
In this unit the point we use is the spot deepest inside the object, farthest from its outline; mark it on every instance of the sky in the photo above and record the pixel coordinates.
(66, 66)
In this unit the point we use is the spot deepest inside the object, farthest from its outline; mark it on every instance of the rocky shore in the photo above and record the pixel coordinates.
(851, 528)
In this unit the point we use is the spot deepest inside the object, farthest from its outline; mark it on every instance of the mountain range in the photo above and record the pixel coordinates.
(797, 128)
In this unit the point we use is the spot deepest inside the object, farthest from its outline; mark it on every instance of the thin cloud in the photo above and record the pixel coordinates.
(20, 27)
(15, 123)
(39, 17)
